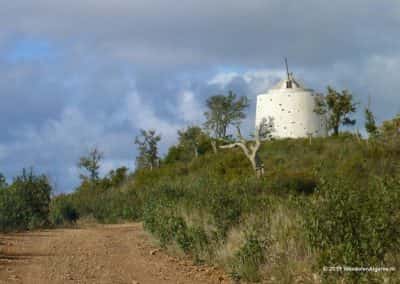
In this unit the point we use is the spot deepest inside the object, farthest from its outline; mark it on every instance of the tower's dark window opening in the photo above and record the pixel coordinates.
(288, 84)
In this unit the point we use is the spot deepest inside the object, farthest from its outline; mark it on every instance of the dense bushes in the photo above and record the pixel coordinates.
(355, 226)
(106, 205)
(25, 203)
(196, 216)
(63, 211)
(108, 200)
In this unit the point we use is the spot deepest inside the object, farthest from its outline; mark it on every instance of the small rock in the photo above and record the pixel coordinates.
(135, 282)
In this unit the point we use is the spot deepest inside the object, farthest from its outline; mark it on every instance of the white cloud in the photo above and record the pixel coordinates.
(223, 78)
(142, 116)
(261, 80)
(189, 108)
(258, 80)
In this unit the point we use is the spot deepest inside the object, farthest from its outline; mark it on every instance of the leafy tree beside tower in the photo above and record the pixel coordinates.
(337, 107)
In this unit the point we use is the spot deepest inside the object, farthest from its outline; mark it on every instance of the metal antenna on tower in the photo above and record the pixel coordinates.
(287, 69)
(289, 81)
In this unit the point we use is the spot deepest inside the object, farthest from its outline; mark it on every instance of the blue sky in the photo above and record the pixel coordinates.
(78, 74)
(25, 49)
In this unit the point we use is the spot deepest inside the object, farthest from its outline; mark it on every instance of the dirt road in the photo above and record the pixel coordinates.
(101, 254)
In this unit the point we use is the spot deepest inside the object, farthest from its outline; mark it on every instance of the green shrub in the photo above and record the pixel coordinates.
(248, 258)
(108, 204)
(355, 226)
(199, 242)
(292, 182)
(62, 211)
(10, 214)
(225, 210)
(25, 203)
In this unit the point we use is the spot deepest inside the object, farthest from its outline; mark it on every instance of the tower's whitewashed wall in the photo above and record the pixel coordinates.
(291, 108)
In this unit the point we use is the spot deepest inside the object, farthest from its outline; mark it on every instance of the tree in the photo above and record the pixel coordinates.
(224, 111)
(3, 182)
(370, 123)
(251, 148)
(118, 176)
(337, 107)
(91, 163)
(191, 139)
(148, 149)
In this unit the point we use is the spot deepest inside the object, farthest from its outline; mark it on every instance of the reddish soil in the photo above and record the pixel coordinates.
(100, 254)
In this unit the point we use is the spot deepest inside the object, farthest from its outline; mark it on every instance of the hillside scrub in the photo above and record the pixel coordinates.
(355, 226)
(332, 202)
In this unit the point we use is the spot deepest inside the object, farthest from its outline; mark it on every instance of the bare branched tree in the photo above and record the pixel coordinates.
(250, 148)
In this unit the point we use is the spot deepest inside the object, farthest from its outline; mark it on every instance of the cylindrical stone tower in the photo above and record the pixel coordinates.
(290, 106)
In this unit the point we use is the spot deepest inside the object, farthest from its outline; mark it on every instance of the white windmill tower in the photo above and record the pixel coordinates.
(291, 108)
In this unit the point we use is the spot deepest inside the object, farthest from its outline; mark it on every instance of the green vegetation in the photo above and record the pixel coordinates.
(356, 225)
(370, 123)
(332, 202)
(337, 107)
(148, 149)
(193, 142)
(25, 203)
(62, 211)
(91, 164)
(223, 111)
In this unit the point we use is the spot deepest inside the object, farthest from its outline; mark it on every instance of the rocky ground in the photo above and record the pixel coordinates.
(96, 254)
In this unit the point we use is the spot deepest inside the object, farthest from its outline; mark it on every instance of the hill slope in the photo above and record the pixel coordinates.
(333, 202)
